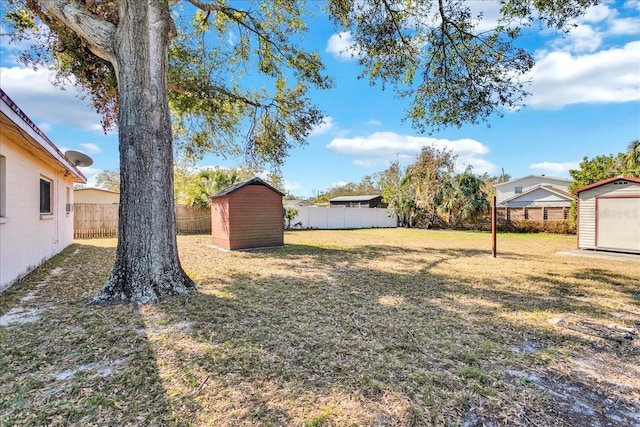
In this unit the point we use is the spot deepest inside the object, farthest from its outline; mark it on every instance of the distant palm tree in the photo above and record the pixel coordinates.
(207, 183)
(632, 158)
(464, 197)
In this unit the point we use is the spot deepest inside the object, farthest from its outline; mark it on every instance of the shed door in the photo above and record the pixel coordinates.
(618, 223)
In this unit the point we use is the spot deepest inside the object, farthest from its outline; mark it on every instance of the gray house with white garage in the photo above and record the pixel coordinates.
(609, 215)
(534, 191)
(535, 197)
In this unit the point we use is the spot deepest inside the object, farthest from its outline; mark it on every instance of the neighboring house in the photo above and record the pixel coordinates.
(36, 195)
(247, 215)
(532, 191)
(609, 215)
(368, 201)
(297, 203)
(96, 195)
(535, 197)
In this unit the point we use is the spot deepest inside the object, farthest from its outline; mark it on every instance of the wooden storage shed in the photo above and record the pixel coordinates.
(609, 215)
(247, 215)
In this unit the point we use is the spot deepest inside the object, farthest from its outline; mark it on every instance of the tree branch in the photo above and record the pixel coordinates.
(231, 12)
(98, 33)
(219, 90)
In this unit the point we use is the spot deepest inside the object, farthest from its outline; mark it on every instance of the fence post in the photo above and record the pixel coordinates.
(494, 226)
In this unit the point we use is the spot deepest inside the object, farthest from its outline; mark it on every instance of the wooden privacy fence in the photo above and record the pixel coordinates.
(101, 220)
(193, 221)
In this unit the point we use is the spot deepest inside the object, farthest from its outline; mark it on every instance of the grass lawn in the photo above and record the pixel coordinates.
(337, 328)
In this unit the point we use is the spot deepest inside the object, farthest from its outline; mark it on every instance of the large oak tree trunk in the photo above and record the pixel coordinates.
(147, 264)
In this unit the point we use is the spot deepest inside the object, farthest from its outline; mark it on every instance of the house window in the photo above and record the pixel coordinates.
(518, 189)
(45, 196)
(3, 186)
(69, 205)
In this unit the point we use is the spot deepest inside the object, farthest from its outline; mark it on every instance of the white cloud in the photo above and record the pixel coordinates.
(374, 122)
(44, 127)
(324, 127)
(90, 173)
(91, 147)
(625, 26)
(607, 76)
(292, 186)
(342, 45)
(632, 4)
(380, 148)
(557, 169)
(582, 38)
(36, 95)
(490, 11)
(597, 13)
(598, 23)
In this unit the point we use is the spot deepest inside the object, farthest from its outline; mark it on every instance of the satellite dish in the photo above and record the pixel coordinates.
(78, 158)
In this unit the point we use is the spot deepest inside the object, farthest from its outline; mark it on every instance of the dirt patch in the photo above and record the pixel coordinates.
(578, 401)
(20, 316)
(101, 369)
(595, 328)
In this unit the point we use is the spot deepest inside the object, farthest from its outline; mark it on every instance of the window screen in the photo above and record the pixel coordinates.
(45, 196)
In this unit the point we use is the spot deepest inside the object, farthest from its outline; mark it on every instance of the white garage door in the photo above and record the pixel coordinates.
(618, 223)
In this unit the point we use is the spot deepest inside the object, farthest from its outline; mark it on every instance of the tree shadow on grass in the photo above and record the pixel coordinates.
(300, 335)
(630, 285)
(296, 343)
(71, 363)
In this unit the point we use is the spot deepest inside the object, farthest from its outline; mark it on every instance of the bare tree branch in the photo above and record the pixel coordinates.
(98, 33)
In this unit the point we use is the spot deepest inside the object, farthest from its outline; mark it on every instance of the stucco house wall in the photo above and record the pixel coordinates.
(606, 200)
(27, 236)
(96, 195)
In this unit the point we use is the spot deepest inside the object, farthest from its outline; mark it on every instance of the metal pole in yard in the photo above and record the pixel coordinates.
(494, 226)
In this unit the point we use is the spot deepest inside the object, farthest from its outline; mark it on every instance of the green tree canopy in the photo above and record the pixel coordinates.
(632, 159)
(201, 185)
(594, 170)
(429, 176)
(464, 197)
(434, 55)
(109, 179)
(398, 193)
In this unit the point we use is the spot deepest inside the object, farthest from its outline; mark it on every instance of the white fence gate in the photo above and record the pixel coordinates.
(343, 218)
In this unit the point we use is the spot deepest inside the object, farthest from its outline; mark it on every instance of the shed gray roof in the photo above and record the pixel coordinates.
(365, 198)
(253, 181)
(541, 177)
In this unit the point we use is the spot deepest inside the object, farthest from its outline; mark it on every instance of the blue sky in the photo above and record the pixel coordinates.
(585, 102)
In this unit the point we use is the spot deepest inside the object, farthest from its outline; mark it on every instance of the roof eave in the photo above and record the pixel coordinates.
(605, 182)
(37, 137)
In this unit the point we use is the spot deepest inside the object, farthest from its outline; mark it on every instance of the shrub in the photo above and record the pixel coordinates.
(538, 226)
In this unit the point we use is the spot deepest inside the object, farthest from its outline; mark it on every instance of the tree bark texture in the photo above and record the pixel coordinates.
(147, 264)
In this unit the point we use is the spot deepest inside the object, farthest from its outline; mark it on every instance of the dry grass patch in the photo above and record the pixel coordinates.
(367, 327)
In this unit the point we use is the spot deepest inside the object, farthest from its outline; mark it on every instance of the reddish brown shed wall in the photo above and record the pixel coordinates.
(220, 221)
(249, 217)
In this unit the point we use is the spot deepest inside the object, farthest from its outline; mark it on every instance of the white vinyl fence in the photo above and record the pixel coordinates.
(342, 218)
